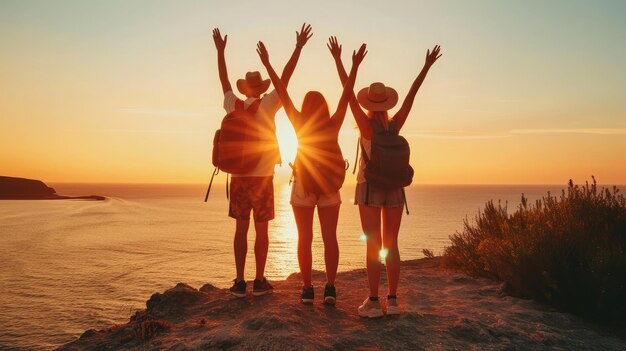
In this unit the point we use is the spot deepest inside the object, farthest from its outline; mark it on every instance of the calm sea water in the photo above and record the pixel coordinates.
(68, 266)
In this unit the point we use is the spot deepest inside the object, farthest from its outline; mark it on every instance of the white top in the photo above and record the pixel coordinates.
(270, 104)
(367, 145)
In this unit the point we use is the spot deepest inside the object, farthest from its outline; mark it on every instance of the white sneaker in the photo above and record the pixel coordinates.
(370, 309)
(392, 307)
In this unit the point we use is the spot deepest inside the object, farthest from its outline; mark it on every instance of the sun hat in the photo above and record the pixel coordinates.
(377, 97)
(253, 84)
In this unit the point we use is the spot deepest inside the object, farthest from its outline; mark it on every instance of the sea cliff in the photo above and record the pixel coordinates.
(13, 188)
(442, 310)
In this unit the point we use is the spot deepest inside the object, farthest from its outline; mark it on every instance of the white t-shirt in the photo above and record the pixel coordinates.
(270, 104)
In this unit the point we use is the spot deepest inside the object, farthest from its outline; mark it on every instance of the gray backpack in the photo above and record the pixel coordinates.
(388, 165)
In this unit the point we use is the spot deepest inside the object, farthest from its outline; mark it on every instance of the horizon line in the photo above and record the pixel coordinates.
(286, 183)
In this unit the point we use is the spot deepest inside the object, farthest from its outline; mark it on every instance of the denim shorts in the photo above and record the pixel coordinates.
(378, 197)
(301, 198)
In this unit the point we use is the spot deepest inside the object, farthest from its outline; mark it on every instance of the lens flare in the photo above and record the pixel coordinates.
(383, 253)
(363, 237)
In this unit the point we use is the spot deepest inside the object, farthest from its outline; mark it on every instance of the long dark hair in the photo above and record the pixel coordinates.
(315, 106)
(314, 111)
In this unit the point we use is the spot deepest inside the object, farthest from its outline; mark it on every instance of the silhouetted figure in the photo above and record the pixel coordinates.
(380, 204)
(254, 191)
(319, 172)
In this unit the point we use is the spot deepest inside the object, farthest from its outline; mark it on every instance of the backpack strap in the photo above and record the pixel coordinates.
(364, 154)
(215, 172)
(356, 159)
(239, 105)
(227, 191)
(293, 171)
(254, 106)
(406, 205)
(367, 184)
(393, 127)
(377, 128)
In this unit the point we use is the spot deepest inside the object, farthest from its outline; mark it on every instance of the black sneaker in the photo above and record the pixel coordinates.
(330, 295)
(261, 287)
(239, 288)
(307, 295)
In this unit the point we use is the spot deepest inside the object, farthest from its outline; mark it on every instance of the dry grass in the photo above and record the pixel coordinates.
(146, 330)
(568, 251)
(428, 253)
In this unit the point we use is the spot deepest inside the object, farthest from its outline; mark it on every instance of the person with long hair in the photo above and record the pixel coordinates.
(319, 172)
(380, 208)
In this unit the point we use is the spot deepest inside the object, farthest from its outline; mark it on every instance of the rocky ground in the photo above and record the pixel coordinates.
(442, 310)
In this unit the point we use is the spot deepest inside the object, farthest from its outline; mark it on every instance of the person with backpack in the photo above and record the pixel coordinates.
(253, 190)
(319, 172)
(384, 171)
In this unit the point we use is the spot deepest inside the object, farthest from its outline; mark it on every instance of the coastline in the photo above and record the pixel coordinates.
(57, 197)
(441, 310)
(16, 188)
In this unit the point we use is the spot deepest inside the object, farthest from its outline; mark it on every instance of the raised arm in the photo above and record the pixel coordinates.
(220, 44)
(335, 50)
(403, 112)
(357, 112)
(348, 87)
(301, 38)
(280, 87)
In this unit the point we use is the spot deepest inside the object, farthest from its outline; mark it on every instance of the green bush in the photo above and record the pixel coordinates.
(567, 251)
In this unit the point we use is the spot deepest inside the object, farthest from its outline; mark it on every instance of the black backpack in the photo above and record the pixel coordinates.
(388, 165)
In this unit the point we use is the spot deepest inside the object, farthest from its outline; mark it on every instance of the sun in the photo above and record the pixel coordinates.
(287, 140)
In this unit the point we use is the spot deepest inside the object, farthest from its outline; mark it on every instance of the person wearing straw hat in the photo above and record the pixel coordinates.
(380, 208)
(254, 191)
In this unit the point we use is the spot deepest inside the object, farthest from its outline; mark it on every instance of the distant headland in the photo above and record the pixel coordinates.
(12, 188)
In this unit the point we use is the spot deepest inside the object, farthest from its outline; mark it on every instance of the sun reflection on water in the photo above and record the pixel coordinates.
(282, 258)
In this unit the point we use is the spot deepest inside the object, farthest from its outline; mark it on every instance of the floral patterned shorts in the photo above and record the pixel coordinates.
(252, 194)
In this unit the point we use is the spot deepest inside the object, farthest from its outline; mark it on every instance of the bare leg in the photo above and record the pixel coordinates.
(261, 245)
(304, 222)
(391, 226)
(328, 222)
(370, 222)
(240, 245)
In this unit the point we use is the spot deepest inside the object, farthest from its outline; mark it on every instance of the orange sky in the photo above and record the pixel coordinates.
(109, 91)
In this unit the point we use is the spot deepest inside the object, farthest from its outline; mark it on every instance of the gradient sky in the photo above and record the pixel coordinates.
(127, 91)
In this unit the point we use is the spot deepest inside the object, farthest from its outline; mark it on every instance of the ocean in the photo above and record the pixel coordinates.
(70, 265)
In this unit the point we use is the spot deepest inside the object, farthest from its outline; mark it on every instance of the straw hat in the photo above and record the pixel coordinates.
(253, 84)
(377, 97)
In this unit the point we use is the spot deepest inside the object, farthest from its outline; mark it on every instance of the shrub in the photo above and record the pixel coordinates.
(567, 251)
(428, 253)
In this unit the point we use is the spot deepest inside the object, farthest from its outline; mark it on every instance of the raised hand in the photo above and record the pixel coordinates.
(334, 47)
(358, 56)
(431, 57)
(220, 43)
(262, 51)
(304, 35)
